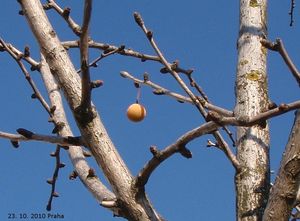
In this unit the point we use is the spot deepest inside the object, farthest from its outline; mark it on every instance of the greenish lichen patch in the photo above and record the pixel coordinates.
(254, 3)
(253, 75)
(243, 62)
(264, 50)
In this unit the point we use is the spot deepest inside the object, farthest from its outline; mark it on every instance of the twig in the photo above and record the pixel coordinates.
(258, 119)
(28, 134)
(209, 127)
(36, 91)
(34, 64)
(65, 13)
(291, 12)
(53, 180)
(206, 102)
(159, 90)
(103, 55)
(159, 156)
(107, 47)
(171, 69)
(125, 52)
(76, 154)
(279, 47)
(84, 57)
(25, 135)
(168, 66)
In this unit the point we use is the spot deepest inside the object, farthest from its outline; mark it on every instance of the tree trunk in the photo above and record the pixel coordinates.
(131, 203)
(287, 182)
(253, 179)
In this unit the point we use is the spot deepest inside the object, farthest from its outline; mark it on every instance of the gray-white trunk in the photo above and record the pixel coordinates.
(252, 181)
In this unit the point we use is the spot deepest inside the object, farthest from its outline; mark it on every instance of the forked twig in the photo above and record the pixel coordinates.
(17, 58)
(103, 55)
(65, 13)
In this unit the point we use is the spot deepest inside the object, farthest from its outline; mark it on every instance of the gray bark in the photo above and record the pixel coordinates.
(284, 192)
(99, 191)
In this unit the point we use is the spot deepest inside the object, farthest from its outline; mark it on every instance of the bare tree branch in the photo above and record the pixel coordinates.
(284, 191)
(291, 12)
(25, 135)
(159, 90)
(126, 52)
(76, 154)
(92, 130)
(172, 70)
(279, 47)
(160, 156)
(210, 127)
(65, 13)
(37, 94)
(20, 55)
(257, 119)
(84, 57)
(52, 181)
(103, 55)
(108, 48)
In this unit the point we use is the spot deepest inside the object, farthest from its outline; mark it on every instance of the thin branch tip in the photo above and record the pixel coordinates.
(138, 19)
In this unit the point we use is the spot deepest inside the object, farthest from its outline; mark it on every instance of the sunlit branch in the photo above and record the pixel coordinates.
(207, 128)
(160, 156)
(258, 119)
(172, 70)
(279, 47)
(76, 153)
(65, 13)
(126, 52)
(34, 64)
(25, 135)
(37, 94)
(103, 55)
(159, 90)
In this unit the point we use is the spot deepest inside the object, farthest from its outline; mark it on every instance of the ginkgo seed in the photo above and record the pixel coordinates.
(136, 112)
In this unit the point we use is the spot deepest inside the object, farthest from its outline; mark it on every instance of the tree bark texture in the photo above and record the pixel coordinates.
(283, 193)
(253, 179)
(99, 191)
(132, 204)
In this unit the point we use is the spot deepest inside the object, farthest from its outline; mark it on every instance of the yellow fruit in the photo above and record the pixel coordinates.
(136, 112)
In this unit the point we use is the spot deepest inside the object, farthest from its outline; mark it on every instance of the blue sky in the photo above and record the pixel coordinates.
(202, 35)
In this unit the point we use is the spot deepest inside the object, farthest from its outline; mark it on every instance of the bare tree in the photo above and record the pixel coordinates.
(126, 196)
